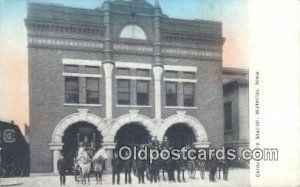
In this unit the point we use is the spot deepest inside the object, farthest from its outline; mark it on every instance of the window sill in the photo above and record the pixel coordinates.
(135, 106)
(82, 104)
(181, 107)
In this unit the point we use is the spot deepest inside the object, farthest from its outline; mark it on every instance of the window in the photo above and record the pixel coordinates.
(71, 68)
(171, 74)
(91, 69)
(171, 93)
(188, 94)
(122, 71)
(142, 92)
(92, 91)
(188, 75)
(133, 32)
(123, 92)
(142, 72)
(228, 116)
(71, 90)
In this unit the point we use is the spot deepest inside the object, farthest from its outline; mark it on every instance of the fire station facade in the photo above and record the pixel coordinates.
(120, 74)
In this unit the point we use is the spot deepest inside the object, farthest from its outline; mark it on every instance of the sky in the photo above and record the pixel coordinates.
(13, 42)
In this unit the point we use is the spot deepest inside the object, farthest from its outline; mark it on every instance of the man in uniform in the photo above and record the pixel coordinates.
(141, 167)
(116, 168)
(213, 168)
(165, 143)
(127, 169)
(154, 142)
(62, 167)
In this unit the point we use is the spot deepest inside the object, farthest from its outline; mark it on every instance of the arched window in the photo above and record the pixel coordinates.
(133, 32)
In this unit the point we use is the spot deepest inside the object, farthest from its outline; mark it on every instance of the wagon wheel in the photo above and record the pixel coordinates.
(192, 170)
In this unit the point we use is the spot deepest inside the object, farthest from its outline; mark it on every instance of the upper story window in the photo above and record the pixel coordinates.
(122, 71)
(142, 89)
(188, 94)
(92, 91)
(171, 74)
(71, 90)
(71, 69)
(92, 69)
(133, 32)
(188, 75)
(123, 87)
(171, 94)
(142, 72)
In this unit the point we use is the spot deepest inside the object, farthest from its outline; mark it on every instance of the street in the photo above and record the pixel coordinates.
(237, 177)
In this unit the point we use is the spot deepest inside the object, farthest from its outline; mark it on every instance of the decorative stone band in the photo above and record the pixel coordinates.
(134, 65)
(191, 52)
(81, 62)
(65, 28)
(59, 42)
(133, 47)
(180, 68)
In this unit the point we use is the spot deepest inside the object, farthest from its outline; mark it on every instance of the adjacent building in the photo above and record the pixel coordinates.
(120, 74)
(236, 108)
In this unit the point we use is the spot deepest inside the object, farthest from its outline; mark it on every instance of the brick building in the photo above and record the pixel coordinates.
(236, 108)
(120, 74)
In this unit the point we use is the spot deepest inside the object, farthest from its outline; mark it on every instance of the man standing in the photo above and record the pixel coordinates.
(127, 169)
(213, 168)
(154, 142)
(116, 168)
(165, 143)
(61, 166)
(141, 167)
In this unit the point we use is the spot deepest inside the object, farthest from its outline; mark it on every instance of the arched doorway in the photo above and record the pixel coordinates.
(180, 135)
(132, 134)
(75, 134)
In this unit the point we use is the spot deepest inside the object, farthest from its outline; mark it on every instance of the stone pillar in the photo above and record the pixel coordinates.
(157, 70)
(109, 149)
(56, 150)
(108, 68)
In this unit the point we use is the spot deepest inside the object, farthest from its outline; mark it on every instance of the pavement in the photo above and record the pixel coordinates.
(236, 177)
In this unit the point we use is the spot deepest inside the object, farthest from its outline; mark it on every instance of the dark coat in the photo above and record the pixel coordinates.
(61, 166)
(116, 164)
(140, 164)
(165, 145)
(127, 165)
(155, 143)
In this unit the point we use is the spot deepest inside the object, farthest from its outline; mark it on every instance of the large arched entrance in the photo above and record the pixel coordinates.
(75, 134)
(180, 135)
(132, 134)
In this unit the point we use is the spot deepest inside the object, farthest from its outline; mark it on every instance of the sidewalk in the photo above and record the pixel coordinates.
(237, 177)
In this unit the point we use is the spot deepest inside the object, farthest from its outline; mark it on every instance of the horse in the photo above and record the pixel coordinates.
(98, 162)
(84, 162)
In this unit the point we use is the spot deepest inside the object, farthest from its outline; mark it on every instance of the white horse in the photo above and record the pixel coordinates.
(84, 163)
(98, 161)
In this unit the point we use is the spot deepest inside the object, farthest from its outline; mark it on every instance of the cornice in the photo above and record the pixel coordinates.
(60, 27)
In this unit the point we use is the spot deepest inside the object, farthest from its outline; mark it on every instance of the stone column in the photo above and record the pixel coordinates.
(109, 149)
(108, 68)
(157, 70)
(56, 150)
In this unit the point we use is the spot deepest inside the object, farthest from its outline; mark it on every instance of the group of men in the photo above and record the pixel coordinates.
(126, 166)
